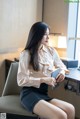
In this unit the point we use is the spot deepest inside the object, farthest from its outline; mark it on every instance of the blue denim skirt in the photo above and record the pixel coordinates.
(30, 96)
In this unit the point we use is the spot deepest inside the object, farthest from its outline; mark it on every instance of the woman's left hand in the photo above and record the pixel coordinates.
(60, 77)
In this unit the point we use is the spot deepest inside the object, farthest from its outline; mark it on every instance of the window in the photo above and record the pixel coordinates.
(77, 55)
(73, 49)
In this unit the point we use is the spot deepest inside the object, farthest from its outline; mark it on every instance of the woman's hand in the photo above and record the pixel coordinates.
(60, 77)
(49, 80)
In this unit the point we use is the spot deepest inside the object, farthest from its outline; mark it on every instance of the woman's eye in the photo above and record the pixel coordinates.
(46, 35)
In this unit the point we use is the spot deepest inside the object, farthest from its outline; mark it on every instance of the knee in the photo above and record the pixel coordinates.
(71, 110)
(62, 115)
(59, 114)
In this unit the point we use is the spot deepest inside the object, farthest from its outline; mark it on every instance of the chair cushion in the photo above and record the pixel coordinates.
(11, 104)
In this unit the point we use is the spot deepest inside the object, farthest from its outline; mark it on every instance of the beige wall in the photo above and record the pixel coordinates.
(56, 15)
(16, 18)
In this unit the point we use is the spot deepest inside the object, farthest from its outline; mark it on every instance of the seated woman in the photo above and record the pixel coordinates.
(36, 64)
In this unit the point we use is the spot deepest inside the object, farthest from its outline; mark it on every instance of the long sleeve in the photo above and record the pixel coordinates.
(58, 63)
(23, 76)
(57, 60)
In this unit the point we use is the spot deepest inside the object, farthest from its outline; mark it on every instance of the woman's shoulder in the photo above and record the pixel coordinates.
(24, 53)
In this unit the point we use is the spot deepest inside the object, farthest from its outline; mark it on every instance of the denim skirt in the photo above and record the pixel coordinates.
(30, 96)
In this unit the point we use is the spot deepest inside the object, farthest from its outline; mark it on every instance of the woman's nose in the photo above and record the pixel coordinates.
(47, 37)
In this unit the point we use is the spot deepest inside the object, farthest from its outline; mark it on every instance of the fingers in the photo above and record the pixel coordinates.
(53, 82)
(49, 80)
(60, 78)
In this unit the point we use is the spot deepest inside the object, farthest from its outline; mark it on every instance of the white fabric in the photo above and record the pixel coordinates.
(48, 61)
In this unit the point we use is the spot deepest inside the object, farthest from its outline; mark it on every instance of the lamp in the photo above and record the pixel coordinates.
(62, 42)
(58, 41)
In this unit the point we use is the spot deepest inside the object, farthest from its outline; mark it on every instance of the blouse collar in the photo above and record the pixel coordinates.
(44, 48)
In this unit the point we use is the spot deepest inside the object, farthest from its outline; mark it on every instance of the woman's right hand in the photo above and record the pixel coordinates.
(49, 80)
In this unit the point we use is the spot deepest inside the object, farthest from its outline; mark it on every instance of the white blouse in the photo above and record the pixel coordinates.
(48, 61)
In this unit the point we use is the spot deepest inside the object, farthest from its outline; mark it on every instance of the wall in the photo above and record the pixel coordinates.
(56, 15)
(16, 18)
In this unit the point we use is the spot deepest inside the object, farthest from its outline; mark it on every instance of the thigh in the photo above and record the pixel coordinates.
(67, 107)
(48, 110)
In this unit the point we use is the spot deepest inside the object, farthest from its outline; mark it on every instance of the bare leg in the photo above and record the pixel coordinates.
(49, 111)
(67, 107)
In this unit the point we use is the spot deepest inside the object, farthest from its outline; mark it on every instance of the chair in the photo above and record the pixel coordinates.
(10, 100)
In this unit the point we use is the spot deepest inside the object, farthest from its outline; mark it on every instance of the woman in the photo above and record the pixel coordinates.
(36, 64)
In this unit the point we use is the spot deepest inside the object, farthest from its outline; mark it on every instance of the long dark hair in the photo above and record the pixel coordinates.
(34, 40)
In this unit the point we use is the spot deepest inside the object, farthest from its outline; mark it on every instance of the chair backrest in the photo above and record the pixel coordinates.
(11, 87)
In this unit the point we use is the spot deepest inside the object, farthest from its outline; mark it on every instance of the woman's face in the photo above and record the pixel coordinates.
(45, 38)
